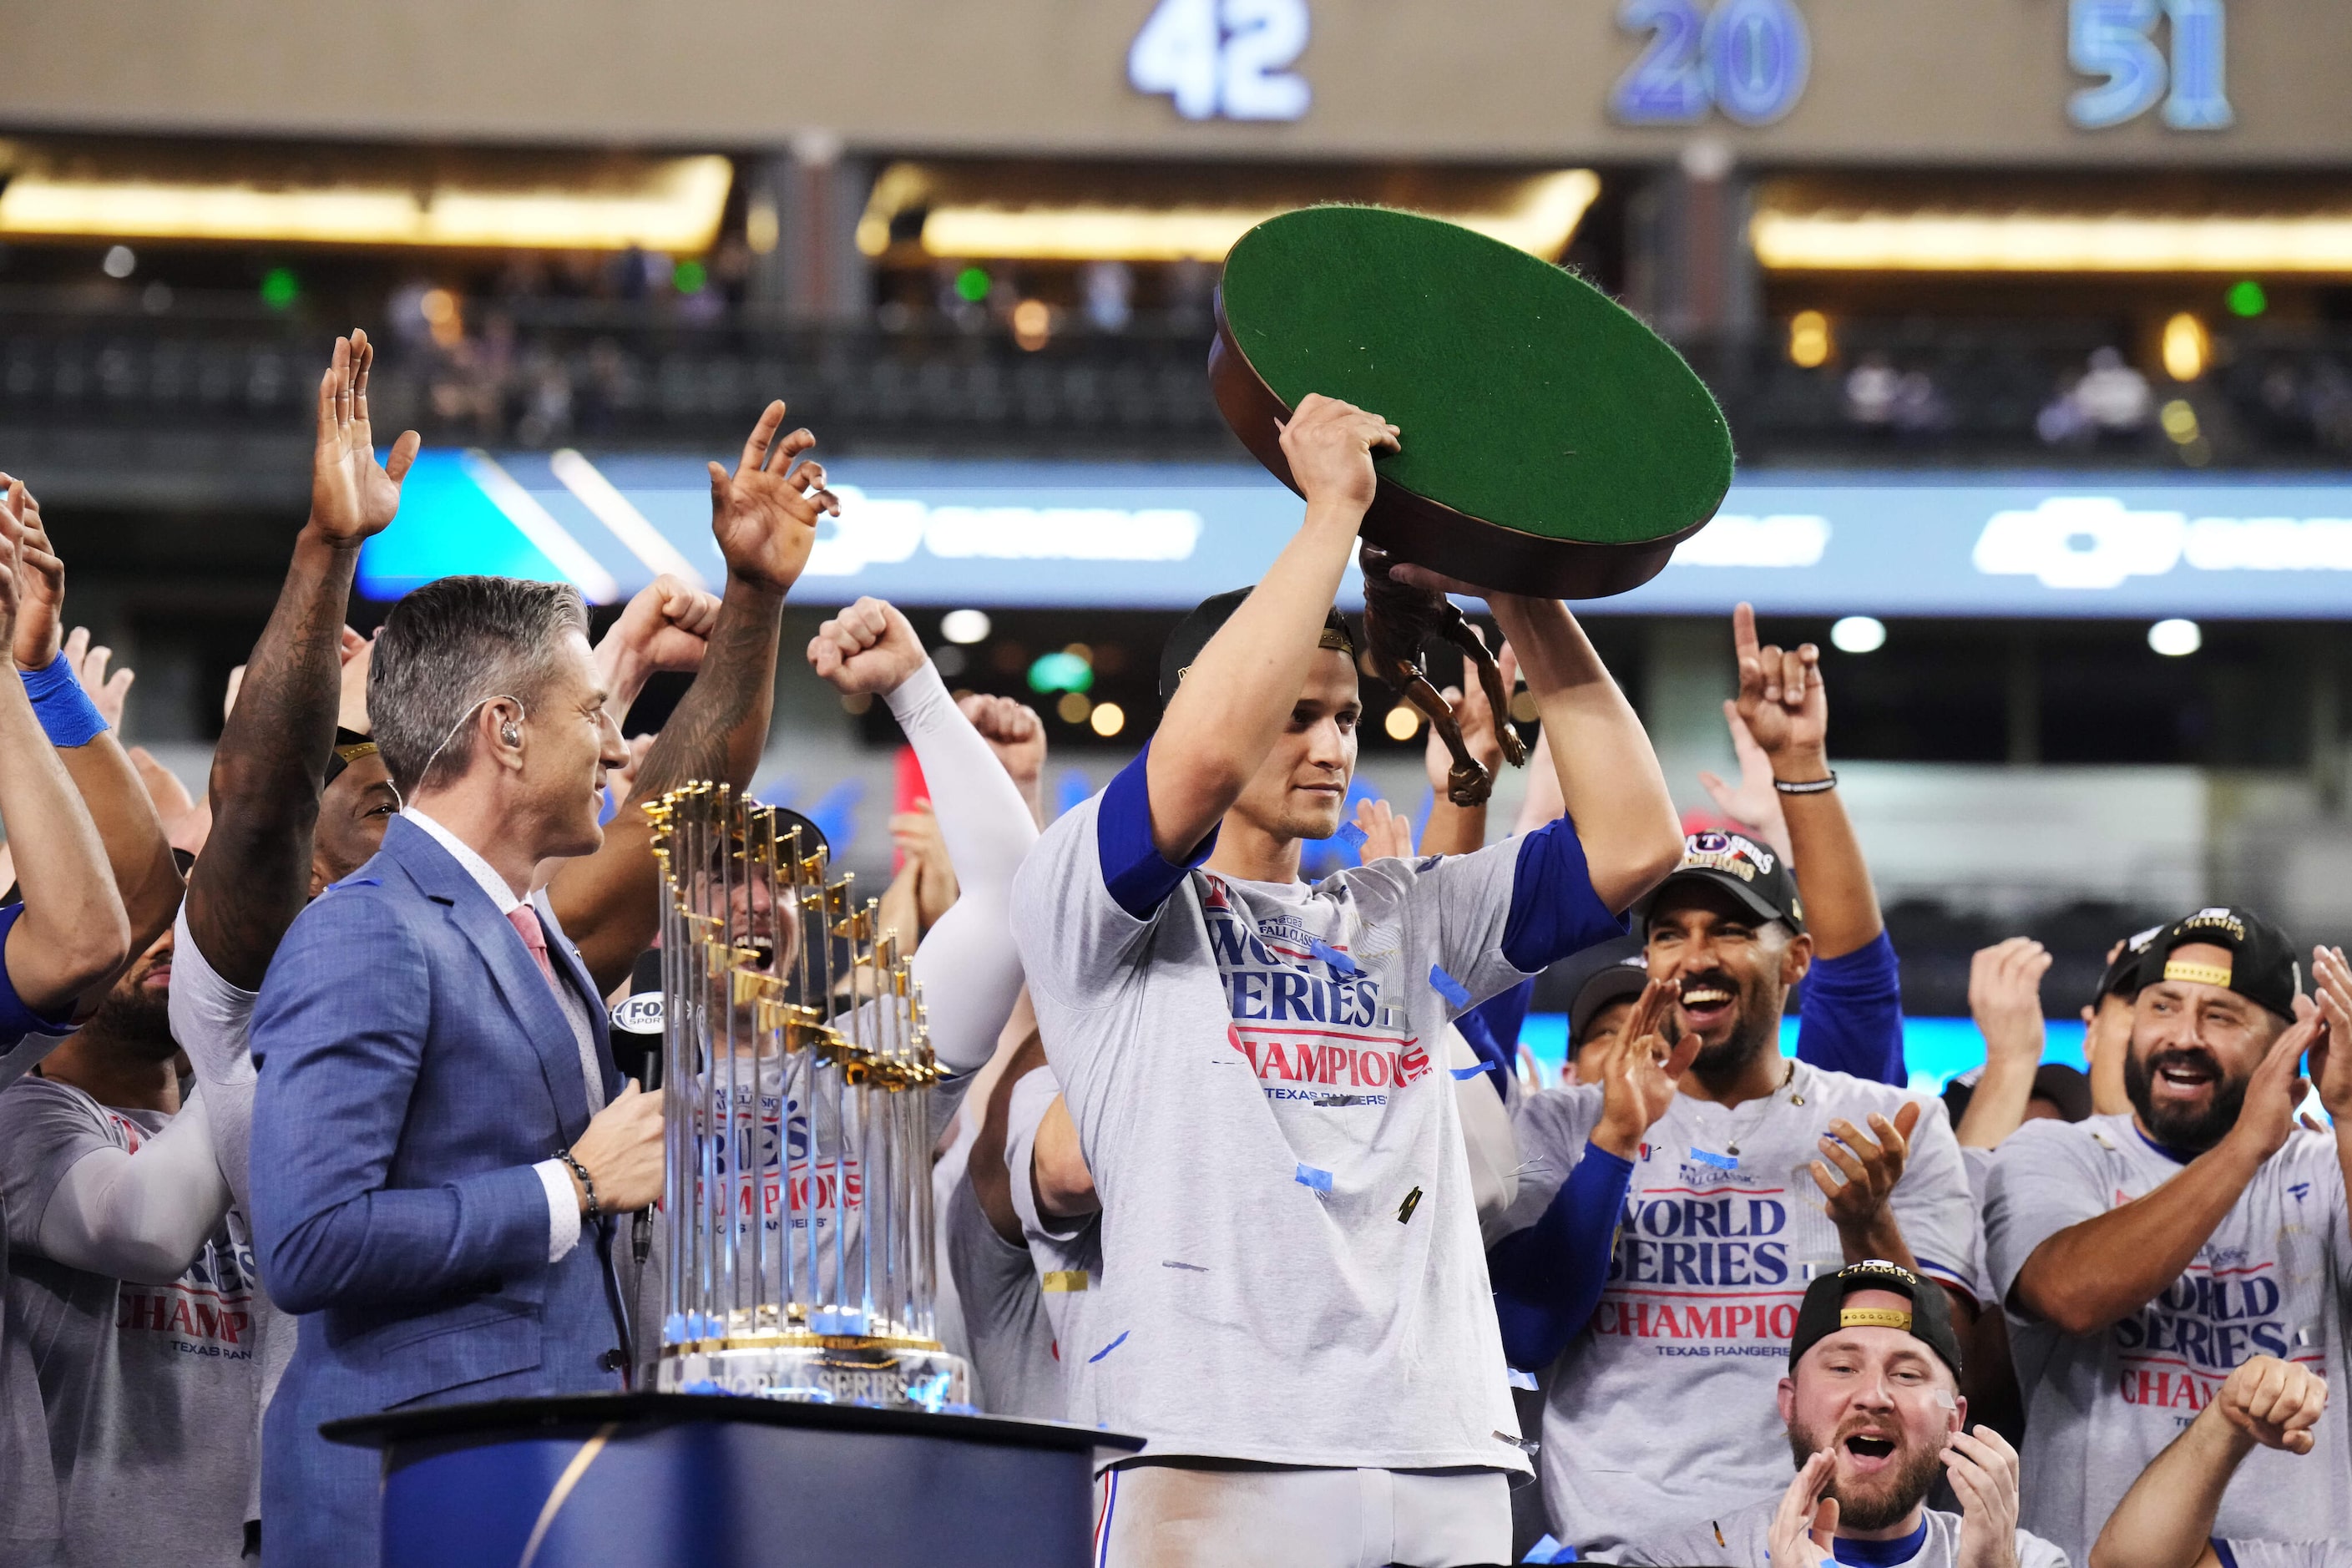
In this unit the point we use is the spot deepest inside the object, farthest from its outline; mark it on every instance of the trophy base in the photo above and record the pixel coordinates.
(884, 1376)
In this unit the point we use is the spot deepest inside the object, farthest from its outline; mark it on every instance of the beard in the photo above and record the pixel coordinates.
(1756, 1027)
(2194, 1130)
(137, 1019)
(1886, 1499)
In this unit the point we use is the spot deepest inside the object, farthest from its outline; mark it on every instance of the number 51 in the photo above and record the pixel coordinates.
(2113, 39)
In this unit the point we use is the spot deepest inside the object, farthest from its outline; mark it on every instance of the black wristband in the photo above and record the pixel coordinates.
(1805, 786)
(587, 1182)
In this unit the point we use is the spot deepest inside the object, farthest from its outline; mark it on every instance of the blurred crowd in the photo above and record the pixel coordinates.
(1259, 1171)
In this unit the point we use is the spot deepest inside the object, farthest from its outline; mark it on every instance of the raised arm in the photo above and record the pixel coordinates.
(1458, 829)
(2089, 1275)
(254, 874)
(765, 517)
(2166, 1521)
(1232, 706)
(142, 1214)
(2005, 998)
(138, 855)
(73, 934)
(1615, 793)
(1786, 708)
(969, 971)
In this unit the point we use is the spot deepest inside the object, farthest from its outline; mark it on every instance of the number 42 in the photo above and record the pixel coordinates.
(1223, 56)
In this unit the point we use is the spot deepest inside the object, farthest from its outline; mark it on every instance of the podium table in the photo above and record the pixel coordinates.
(636, 1481)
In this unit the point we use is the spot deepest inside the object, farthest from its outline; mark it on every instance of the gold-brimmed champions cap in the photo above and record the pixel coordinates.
(349, 747)
(1750, 872)
(1824, 1311)
(2259, 963)
(1193, 632)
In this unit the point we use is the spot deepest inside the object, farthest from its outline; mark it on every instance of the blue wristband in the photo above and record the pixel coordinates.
(68, 718)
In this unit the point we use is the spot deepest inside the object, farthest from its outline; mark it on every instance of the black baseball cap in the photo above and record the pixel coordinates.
(2262, 966)
(1610, 972)
(1752, 873)
(1824, 1311)
(348, 748)
(2063, 1086)
(2122, 978)
(1193, 632)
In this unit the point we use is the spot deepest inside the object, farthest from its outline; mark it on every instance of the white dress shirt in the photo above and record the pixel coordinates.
(563, 1197)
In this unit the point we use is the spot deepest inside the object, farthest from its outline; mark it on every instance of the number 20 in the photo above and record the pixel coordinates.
(1748, 59)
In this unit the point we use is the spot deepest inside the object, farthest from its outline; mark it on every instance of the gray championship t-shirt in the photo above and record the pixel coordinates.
(149, 1389)
(2283, 1553)
(1291, 1271)
(2272, 1279)
(1743, 1539)
(1662, 1407)
(1003, 1313)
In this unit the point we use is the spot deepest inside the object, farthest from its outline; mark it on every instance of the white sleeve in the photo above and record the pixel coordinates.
(563, 1208)
(967, 966)
(141, 1215)
(1486, 1138)
(213, 1022)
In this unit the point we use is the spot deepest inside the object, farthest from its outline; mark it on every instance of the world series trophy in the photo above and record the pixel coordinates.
(797, 1077)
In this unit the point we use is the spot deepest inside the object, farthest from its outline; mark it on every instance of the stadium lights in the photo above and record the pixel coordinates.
(675, 208)
(2176, 638)
(1541, 220)
(2025, 242)
(1858, 634)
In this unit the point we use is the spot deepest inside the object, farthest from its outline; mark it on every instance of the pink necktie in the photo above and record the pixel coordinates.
(525, 920)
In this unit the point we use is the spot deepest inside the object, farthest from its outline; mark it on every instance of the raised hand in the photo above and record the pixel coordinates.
(12, 545)
(1983, 1471)
(1753, 800)
(2275, 1403)
(1781, 700)
(1869, 1168)
(2276, 1087)
(42, 595)
(1329, 446)
(107, 692)
(350, 696)
(1017, 736)
(868, 648)
(1387, 836)
(666, 626)
(352, 496)
(1638, 1074)
(764, 514)
(1805, 1524)
(2005, 997)
(2331, 1053)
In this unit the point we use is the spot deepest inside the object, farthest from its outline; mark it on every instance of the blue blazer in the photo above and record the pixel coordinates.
(414, 1066)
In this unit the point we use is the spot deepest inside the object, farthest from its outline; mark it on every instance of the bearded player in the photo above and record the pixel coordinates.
(1295, 1310)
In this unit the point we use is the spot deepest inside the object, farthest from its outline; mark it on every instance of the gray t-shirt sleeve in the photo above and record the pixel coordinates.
(1552, 1128)
(2288, 1554)
(1025, 1110)
(45, 1130)
(1077, 942)
(2045, 1177)
(1934, 1205)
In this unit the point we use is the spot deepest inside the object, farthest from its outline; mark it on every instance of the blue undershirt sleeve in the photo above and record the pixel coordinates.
(1133, 870)
(17, 1019)
(1850, 1018)
(1554, 911)
(1548, 1278)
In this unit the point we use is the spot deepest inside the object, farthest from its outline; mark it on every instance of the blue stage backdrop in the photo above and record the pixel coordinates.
(1167, 535)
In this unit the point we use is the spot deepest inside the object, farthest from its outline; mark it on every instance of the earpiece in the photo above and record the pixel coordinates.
(511, 734)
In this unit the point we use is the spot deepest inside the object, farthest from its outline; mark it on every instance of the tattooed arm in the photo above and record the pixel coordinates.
(765, 517)
(253, 876)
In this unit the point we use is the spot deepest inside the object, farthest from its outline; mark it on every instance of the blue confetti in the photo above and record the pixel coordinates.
(1332, 956)
(1462, 1073)
(1308, 1176)
(1110, 1347)
(702, 1386)
(1448, 986)
(1720, 1161)
(1351, 835)
(674, 1329)
(1521, 1379)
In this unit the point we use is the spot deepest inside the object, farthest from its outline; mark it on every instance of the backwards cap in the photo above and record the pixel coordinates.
(2260, 966)
(1193, 632)
(1824, 1310)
